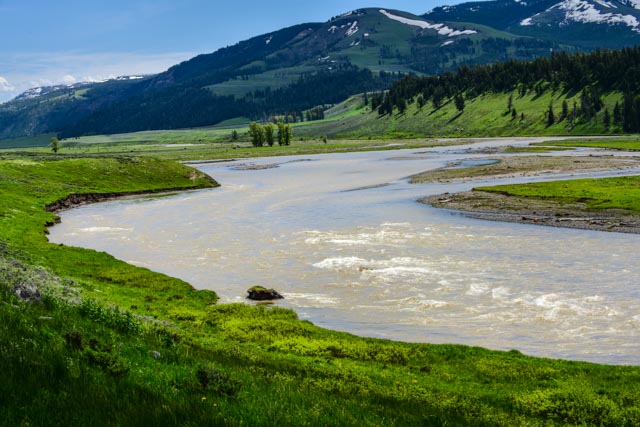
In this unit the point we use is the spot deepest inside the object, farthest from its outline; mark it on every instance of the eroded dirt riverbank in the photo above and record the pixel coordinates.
(526, 210)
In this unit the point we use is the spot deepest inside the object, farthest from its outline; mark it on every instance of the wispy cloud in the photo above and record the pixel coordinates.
(5, 86)
(27, 70)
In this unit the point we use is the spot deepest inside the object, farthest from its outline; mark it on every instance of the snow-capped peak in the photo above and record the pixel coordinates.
(588, 12)
(44, 90)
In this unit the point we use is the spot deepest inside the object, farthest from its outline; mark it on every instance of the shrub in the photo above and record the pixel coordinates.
(218, 382)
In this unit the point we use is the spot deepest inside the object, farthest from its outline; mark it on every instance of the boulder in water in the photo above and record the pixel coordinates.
(259, 293)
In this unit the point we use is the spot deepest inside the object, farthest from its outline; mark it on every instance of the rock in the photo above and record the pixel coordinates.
(258, 293)
(28, 292)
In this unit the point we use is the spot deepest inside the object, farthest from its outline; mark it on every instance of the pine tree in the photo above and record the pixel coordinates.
(606, 120)
(565, 111)
(617, 114)
(459, 101)
(402, 105)
(550, 117)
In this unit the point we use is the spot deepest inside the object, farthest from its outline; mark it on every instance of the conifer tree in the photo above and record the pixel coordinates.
(617, 114)
(565, 111)
(459, 101)
(550, 117)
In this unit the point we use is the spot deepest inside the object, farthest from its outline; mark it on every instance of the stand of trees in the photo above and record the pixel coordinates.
(265, 134)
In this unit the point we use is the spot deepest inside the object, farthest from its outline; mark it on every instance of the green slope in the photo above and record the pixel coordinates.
(485, 115)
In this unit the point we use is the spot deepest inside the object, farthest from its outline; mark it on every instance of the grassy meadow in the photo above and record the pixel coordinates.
(114, 344)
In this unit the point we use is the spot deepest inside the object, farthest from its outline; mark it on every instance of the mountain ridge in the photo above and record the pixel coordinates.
(278, 72)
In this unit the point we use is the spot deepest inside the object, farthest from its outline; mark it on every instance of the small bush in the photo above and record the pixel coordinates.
(109, 362)
(115, 318)
(218, 382)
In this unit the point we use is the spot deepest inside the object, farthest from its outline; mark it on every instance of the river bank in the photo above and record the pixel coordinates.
(525, 210)
(548, 209)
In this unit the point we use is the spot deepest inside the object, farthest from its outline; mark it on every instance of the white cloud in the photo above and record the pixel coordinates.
(5, 86)
(29, 70)
(68, 79)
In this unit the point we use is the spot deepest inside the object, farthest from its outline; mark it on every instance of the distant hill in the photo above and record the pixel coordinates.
(583, 23)
(288, 71)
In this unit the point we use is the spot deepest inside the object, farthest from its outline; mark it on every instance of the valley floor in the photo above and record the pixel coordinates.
(86, 339)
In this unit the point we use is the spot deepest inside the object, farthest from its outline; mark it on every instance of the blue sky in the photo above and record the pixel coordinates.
(46, 42)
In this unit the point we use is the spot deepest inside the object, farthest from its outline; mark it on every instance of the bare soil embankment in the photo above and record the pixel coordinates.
(526, 210)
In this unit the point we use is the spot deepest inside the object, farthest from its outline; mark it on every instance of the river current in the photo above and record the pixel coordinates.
(342, 238)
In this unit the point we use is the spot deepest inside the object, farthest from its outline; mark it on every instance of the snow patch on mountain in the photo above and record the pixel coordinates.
(442, 29)
(352, 29)
(584, 12)
(606, 4)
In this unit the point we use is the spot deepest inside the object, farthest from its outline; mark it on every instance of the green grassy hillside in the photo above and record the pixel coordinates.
(485, 115)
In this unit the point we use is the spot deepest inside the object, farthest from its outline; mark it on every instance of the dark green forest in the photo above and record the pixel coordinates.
(189, 106)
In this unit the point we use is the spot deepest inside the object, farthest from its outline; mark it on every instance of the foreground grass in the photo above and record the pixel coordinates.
(112, 344)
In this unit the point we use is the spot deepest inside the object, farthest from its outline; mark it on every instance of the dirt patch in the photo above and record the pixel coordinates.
(526, 210)
(517, 166)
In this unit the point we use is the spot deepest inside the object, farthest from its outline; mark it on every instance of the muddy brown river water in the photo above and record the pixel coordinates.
(342, 238)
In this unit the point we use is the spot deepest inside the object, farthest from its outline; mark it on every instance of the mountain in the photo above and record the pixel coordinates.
(37, 92)
(588, 24)
(288, 71)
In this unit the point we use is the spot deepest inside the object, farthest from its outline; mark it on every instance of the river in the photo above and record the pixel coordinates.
(342, 238)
